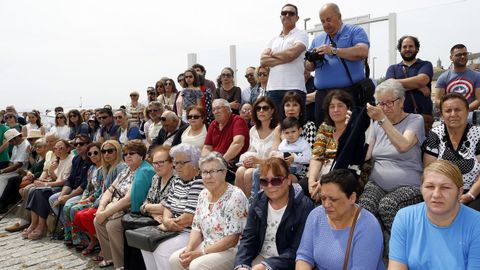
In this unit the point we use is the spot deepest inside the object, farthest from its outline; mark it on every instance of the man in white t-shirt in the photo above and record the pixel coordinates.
(19, 159)
(284, 55)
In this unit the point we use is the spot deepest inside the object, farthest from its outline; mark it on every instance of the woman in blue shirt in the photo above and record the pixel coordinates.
(440, 233)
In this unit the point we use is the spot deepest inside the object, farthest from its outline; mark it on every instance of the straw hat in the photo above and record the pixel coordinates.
(10, 134)
(34, 134)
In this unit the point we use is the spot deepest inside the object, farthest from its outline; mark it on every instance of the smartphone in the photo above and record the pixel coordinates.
(286, 154)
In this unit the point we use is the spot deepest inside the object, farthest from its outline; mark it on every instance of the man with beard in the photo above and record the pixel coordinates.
(341, 50)
(460, 79)
(415, 75)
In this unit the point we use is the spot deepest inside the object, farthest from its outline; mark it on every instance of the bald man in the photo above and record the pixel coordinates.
(343, 46)
(171, 132)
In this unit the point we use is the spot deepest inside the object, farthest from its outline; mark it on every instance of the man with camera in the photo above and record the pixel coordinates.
(284, 57)
(337, 56)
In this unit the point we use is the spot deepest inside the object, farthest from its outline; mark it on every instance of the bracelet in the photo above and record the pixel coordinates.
(471, 196)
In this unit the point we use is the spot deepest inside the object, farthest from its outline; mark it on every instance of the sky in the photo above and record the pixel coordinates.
(93, 53)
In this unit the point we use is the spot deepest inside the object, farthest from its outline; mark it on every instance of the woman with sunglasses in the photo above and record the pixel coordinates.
(260, 90)
(61, 129)
(228, 90)
(73, 236)
(191, 95)
(112, 165)
(76, 124)
(219, 220)
(394, 146)
(196, 132)
(170, 95)
(326, 235)
(34, 122)
(261, 139)
(126, 193)
(179, 205)
(275, 220)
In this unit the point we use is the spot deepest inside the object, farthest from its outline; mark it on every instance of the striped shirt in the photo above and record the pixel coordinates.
(183, 196)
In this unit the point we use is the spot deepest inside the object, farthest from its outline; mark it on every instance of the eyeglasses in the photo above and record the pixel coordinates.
(289, 13)
(79, 144)
(193, 116)
(246, 110)
(274, 181)
(94, 153)
(387, 103)
(176, 163)
(226, 75)
(109, 150)
(188, 77)
(129, 153)
(211, 172)
(265, 108)
(163, 119)
(249, 75)
(159, 162)
(262, 74)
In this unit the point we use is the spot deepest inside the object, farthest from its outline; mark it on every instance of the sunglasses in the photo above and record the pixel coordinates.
(72, 115)
(151, 93)
(133, 95)
(129, 153)
(163, 119)
(153, 110)
(109, 150)
(60, 117)
(168, 83)
(289, 13)
(262, 74)
(265, 108)
(102, 117)
(9, 116)
(180, 80)
(94, 153)
(193, 116)
(274, 181)
(79, 144)
(118, 117)
(226, 75)
(249, 75)
(188, 77)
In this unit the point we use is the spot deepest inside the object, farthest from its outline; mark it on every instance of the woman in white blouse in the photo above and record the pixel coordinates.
(195, 134)
(61, 129)
(261, 138)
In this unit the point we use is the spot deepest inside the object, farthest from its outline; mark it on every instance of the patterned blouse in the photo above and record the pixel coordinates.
(156, 193)
(190, 97)
(325, 146)
(94, 183)
(227, 216)
(183, 196)
(122, 184)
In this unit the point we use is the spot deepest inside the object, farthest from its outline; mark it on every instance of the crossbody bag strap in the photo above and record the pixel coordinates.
(352, 229)
(346, 68)
(415, 108)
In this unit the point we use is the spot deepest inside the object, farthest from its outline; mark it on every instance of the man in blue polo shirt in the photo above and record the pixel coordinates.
(415, 75)
(339, 42)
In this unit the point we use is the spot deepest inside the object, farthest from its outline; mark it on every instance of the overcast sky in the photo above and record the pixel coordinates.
(54, 52)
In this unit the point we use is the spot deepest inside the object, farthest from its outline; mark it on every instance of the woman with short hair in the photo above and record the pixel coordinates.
(326, 234)
(179, 205)
(440, 233)
(219, 220)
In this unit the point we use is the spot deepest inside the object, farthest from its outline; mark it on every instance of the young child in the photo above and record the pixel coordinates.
(296, 150)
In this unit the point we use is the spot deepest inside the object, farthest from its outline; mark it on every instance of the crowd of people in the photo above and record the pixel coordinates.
(266, 177)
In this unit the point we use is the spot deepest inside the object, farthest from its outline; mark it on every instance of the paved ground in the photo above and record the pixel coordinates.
(17, 253)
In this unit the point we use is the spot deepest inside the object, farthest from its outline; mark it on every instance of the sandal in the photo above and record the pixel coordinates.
(105, 263)
(90, 250)
(97, 258)
(36, 235)
(26, 232)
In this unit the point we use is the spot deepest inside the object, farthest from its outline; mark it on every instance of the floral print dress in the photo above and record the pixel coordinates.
(225, 217)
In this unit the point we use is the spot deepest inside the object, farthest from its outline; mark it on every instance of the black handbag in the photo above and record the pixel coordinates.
(131, 221)
(147, 238)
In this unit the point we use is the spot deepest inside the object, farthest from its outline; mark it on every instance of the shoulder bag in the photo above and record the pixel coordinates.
(147, 238)
(352, 229)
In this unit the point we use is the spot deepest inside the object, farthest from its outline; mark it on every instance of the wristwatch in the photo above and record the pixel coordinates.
(334, 50)
(381, 121)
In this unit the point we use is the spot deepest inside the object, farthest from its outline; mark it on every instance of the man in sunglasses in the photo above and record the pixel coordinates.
(109, 129)
(246, 92)
(275, 221)
(340, 53)
(171, 132)
(77, 181)
(284, 56)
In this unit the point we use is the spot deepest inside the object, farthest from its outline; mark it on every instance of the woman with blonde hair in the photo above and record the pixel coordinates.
(423, 234)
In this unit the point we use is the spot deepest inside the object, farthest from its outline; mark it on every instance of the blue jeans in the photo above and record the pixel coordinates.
(277, 98)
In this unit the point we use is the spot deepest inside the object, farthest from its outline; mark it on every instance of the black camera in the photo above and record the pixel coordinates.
(313, 56)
